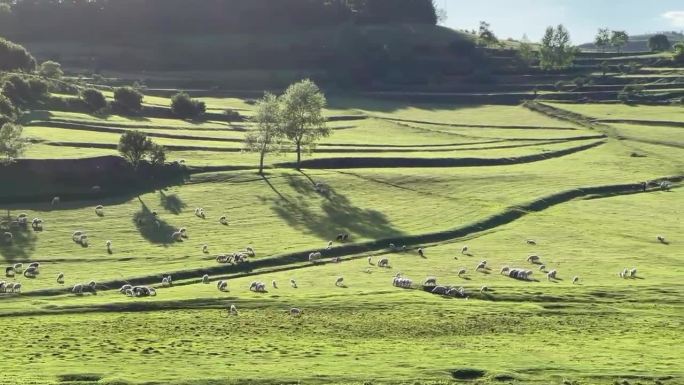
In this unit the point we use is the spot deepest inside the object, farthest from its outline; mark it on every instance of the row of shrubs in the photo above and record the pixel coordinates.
(128, 100)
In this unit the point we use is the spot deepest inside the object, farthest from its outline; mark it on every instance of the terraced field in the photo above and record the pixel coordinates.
(435, 177)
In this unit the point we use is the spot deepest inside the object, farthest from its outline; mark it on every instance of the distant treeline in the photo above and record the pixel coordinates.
(112, 19)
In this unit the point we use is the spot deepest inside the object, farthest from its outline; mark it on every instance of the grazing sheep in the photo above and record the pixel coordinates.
(505, 270)
(99, 210)
(633, 273)
(455, 292)
(250, 251)
(531, 242)
(8, 237)
(403, 248)
(199, 212)
(37, 224)
(430, 281)
(533, 259)
(313, 257)
(18, 267)
(34, 265)
(662, 239)
(125, 288)
(339, 281)
(223, 220)
(330, 245)
(108, 245)
(421, 252)
(205, 249)
(177, 236)
(165, 282)
(370, 260)
(10, 272)
(484, 289)
(16, 288)
(55, 201)
(293, 283)
(402, 282)
(383, 262)
(83, 240)
(60, 278)
(464, 249)
(184, 232)
(233, 310)
(31, 272)
(462, 272)
(274, 284)
(295, 312)
(392, 246)
(551, 275)
(205, 279)
(440, 290)
(542, 267)
(3, 286)
(77, 289)
(342, 237)
(575, 279)
(222, 285)
(481, 266)
(665, 185)
(624, 273)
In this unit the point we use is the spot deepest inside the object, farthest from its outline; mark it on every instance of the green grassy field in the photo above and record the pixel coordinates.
(599, 330)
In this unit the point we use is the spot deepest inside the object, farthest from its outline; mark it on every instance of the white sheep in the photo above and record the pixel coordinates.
(551, 275)
(575, 279)
(384, 262)
(624, 273)
(464, 249)
(505, 270)
(542, 267)
(37, 224)
(293, 283)
(77, 289)
(233, 310)
(31, 272)
(661, 239)
(481, 266)
(633, 273)
(223, 220)
(108, 245)
(462, 272)
(60, 278)
(55, 201)
(430, 281)
(205, 279)
(531, 242)
(313, 257)
(274, 284)
(250, 251)
(295, 312)
(18, 267)
(125, 288)
(370, 260)
(177, 236)
(205, 249)
(339, 281)
(34, 265)
(222, 285)
(330, 245)
(484, 289)
(421, 252)
(184, 232)
(99, 210)
(16, 288)
(165, 282)
(533, 258)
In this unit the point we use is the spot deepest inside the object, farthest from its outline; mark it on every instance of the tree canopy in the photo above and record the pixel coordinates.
(556, 50)
(14, 57)
(12, 142)
(103, 19)
(659, 43)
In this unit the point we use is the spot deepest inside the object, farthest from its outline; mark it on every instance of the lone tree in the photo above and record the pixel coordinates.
(678, 56)
(659, 43)
(556, 52)
(51, 69)
(268, 134)
(94, 99)
(12, 143)
(14, 57)
(526, 52)
(605, 67)
(185, 107)
(128, 99)
(134, 146)
(619, 40)
(485, 36)
(302, 114)
(602, 40)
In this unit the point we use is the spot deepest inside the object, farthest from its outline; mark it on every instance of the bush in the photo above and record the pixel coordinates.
(679, 53)
(133, 146)
(94, 99)
(22, 91)
(128, 99)
(158, 155)
(186, 108)
(232, 115)
(14, 57)
(7, 109)
(51, 69)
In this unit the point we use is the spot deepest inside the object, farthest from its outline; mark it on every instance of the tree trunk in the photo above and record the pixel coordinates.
(299, 155)
(261, 162)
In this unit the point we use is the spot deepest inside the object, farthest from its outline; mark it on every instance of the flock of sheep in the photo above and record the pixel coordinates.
(429, 284)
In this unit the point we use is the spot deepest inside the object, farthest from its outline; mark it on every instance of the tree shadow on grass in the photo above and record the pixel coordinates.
(337, 214)
(172, 203)
(153, 228)
(22, 246)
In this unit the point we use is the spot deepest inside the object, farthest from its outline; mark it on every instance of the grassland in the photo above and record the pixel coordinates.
(601, 330)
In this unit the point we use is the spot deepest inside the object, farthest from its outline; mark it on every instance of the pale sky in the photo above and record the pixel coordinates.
(513, 18)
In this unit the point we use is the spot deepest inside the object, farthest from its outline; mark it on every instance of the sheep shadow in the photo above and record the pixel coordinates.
(172, 203)
(151, 227)
(22, 246)
(336, 213)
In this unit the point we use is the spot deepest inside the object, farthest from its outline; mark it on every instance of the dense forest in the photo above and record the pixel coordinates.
(107, 19)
